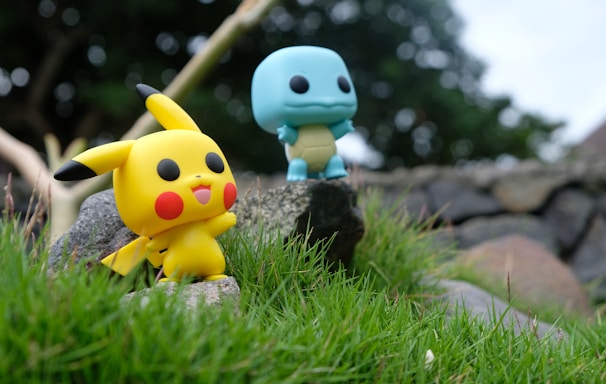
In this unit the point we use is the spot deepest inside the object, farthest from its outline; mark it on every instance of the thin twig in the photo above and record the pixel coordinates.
(508, 288)
(159, 275)
(9, 202)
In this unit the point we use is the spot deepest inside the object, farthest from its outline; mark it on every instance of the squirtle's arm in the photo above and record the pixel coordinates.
(219, 224)
(341, 128)
(287, 134)
(128, 257)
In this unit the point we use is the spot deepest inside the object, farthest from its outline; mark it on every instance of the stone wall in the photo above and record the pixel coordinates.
(563, 206)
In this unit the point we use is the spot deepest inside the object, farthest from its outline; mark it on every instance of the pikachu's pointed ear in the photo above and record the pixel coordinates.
(168, 113)
(95, 161)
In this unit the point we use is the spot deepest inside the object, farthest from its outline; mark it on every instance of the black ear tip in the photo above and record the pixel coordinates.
(73, 170)
(145, 90)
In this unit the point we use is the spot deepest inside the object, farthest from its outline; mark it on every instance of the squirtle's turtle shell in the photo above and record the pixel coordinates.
(315, 144)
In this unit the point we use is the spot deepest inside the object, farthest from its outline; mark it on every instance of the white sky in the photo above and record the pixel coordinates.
(548, 55)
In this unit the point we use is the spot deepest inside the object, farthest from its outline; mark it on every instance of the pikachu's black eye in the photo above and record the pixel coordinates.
(214, 162)
(168, 170)
(299, 84)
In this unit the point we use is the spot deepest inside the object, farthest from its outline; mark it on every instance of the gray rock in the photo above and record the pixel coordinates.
(527, 192)
(414, 201)
(588, 262)
(197, 295)
(568, 215)
(456, 202)
(600, 204)
(97, 232)
(480, 229)
(484, 307)
(327, 206)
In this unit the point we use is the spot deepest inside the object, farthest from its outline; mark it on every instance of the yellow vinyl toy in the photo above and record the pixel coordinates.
(173, 188)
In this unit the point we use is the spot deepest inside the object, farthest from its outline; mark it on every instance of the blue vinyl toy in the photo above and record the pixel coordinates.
(305, 95)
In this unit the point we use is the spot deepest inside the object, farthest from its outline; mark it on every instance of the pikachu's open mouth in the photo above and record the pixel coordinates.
(202, 193)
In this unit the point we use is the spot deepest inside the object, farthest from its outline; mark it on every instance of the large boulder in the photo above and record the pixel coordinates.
(326, 207)
(530, 273)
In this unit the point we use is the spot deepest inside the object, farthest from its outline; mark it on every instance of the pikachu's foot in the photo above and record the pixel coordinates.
(214, 277)
(168, 280)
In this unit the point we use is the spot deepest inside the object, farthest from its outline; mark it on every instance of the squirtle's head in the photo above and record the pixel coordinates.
(302, 85)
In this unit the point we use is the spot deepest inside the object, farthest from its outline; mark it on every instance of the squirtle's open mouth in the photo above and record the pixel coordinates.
(202, 193)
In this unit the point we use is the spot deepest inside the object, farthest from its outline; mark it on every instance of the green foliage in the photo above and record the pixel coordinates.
(296, 322)
(419, 91)
(393, 238)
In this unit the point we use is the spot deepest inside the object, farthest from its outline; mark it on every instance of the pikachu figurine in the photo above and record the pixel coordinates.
(173, 188)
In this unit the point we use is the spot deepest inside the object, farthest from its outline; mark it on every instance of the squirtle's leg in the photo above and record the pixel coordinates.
(297, 170)
(335, 168)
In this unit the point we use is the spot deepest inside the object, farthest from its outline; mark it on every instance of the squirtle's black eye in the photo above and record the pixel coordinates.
(214, 163)
(299, 84)
(344, 84)
(168, 170)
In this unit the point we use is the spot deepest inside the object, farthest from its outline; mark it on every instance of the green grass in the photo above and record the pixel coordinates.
(296, 322)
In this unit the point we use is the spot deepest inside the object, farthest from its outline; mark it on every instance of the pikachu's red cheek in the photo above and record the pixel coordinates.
(169, 206)
(229, 195)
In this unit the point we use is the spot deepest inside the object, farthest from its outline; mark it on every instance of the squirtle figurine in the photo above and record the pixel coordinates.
(305, 95)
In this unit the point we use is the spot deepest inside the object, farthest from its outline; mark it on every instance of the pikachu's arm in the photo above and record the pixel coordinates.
(158, 243)
(219, 224)
(128, 257)
(156, 248)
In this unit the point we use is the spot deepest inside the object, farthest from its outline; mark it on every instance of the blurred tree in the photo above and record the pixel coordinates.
(73, 65)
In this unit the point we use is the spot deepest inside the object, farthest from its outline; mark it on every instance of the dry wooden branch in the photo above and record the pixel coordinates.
(26, 160)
